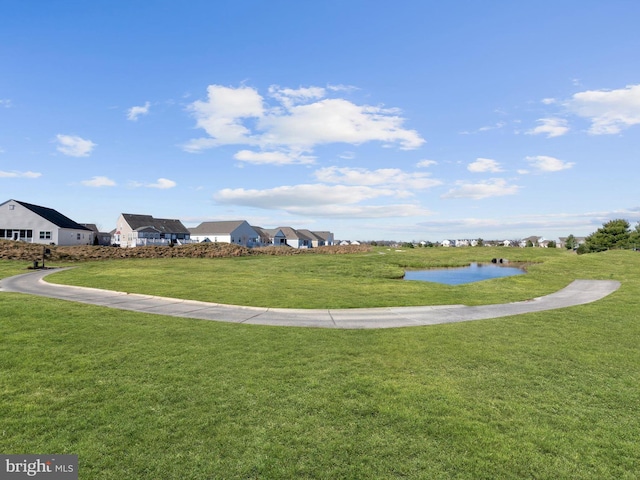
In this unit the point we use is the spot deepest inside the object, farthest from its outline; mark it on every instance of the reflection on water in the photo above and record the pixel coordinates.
(475, 272)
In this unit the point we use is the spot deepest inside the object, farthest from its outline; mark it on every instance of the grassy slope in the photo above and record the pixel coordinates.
(548, 395)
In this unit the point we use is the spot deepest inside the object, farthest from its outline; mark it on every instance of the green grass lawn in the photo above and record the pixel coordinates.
(549, 395)
(336, 281)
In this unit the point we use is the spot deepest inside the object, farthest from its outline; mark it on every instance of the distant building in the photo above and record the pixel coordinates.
(99, 238)
(296, 238)
(318, 239)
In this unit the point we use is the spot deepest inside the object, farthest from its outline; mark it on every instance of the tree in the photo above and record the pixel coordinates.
(571, 242)
(529, 243)
(613, 234)
(634, 238)
(551, 244)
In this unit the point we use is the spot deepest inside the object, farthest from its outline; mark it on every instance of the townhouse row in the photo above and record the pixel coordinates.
(22, 221)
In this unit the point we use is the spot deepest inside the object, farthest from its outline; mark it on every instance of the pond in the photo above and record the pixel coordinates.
(475, 272)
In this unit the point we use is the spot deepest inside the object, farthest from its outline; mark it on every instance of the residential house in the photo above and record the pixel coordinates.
(324, 238)
(271, 236)
(26, 222)
(134, 230)
(238, 232)
(99, 238)
(535, 241)
(318, 239)
(264, 237)
(295, 238)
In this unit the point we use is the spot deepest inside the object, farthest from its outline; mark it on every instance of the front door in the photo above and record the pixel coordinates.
(16, 235)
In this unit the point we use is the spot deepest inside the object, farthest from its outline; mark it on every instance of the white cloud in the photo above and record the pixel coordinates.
(273, 158)
(552, 127)
(287, 197)
(426, 163)
(337, 121)
(549, 101)
(320, 200)
(495, 187)
(162, 183)
(361, 211)
(302, 121)
(14, 174)
(486, 128)
(389, 177)
(610, 111)
(484, 165)
(99, 182)
(134, 112)
(221, 116)
(342, 88)
(543, 163)
(5, 102)
(288, 97)
(74, 146)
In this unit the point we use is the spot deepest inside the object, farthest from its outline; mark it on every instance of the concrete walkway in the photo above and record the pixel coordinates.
(577, 293)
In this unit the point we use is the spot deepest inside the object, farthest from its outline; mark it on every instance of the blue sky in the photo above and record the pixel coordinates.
(412, 120)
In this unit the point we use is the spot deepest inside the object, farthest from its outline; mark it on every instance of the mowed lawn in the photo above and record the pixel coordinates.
(372, 279)
(549, 395)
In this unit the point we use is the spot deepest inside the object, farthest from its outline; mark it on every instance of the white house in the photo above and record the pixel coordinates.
(271, 236)
(326, 238)
(238, 232)
(318, 239)
(134, 230)
(35, 224)
(295, 238)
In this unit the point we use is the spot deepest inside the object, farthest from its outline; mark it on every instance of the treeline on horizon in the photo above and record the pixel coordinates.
(613, 235)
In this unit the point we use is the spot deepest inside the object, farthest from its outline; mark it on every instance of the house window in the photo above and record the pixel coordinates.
(78, 237)
(11, 207)
(45, 235)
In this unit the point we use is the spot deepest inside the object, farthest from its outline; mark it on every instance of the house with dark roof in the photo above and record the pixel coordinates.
(133, 230)
(22, 221)
(238, 232)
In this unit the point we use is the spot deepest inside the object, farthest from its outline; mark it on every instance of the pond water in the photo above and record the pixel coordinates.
(475, 272)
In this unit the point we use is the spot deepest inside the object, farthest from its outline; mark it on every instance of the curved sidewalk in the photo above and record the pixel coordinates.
(577, 293)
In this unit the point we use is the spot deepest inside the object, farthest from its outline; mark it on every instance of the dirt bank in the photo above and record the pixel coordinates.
(10, 250)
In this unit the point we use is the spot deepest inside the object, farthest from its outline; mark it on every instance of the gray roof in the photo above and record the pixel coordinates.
(311, 235)
(162, 225)
(52, 216)
(262, 232)
(323, 235)
(217, 228)
(272, 232)
(293, 233)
